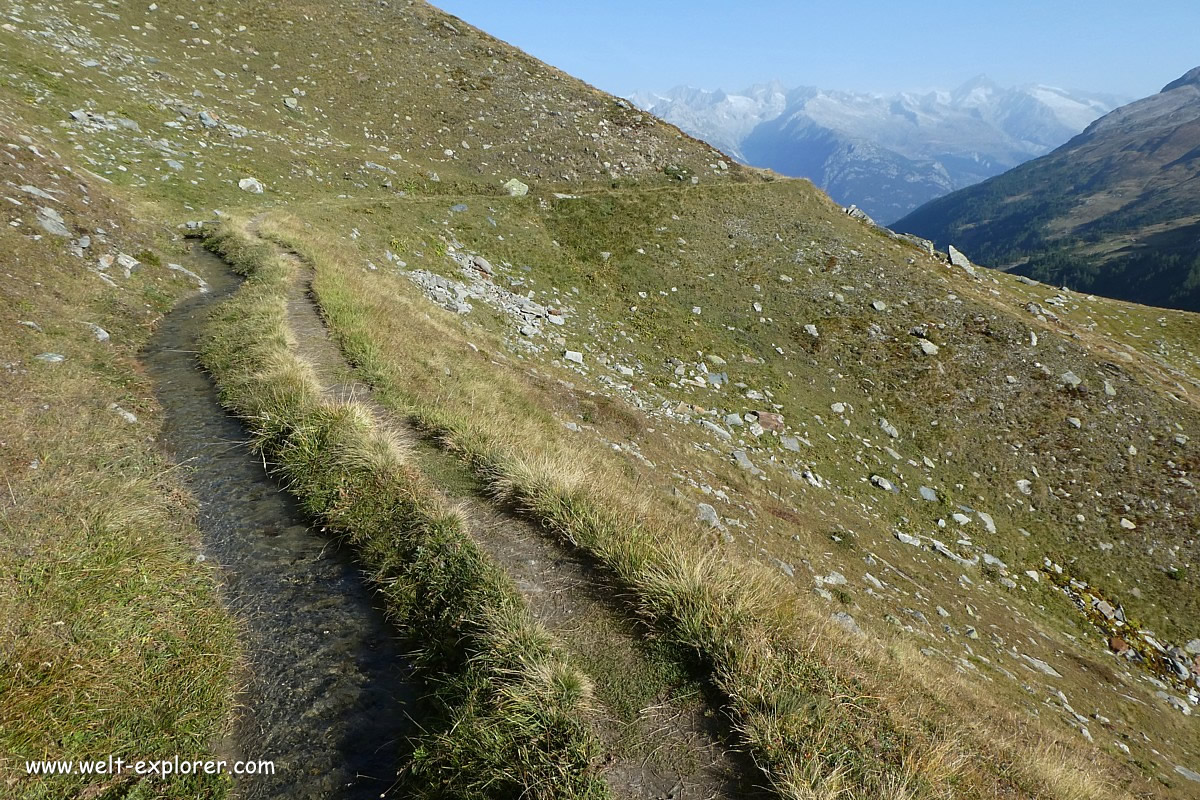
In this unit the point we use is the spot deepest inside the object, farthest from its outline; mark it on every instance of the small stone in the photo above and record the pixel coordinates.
(928, 347)
(743, 461)
(1042, 666)
(834, 578)
(1189, 774)
(989, 524)
(1126, 524)
(515, 188)
(811, 330)
(879, 305)
(128, 416)
(1074, 422)
(907, 539)
(251, 185)
(884, 483)
(52, 222)
(708, 515)
(1071, 379)
(846, 621)
(574, 356)
(100, 334)
(928, 494)
(51, 358)
(770, 421)
(1024, 486)
(888, 428)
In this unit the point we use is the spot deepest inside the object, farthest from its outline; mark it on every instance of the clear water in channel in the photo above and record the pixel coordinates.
(328, 692)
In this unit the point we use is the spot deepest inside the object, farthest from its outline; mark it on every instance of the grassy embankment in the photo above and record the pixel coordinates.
(112, 638)
(819, 718)
(507, 712)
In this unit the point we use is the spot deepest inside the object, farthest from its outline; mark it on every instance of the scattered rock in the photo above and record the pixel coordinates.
(574, 356)
(957, 258)
(515, 188)
(743, 461)
(884, 483)
(51, 358)
(846, 621)
(770, 421)
(708, 515)
(251, 185)
(52, 222)
(100, 334)
(888, 428)
(1041, 666)
(128, 416)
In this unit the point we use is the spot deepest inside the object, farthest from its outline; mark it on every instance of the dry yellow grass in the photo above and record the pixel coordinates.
(774, 656)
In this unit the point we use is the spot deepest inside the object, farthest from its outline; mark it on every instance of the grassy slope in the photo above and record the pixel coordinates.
(817, 717)
(113, 641)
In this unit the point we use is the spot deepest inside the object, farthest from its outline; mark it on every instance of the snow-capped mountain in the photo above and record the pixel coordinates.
(887, 154)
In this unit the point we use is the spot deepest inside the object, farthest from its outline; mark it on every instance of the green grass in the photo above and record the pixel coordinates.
(112, 637)
(508, 711)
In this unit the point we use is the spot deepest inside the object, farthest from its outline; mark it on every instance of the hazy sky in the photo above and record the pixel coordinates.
(1117, 46)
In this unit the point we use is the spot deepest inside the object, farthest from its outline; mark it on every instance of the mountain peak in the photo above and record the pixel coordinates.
(1190, 78)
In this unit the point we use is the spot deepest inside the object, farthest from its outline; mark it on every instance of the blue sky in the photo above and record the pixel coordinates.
(1116, 46)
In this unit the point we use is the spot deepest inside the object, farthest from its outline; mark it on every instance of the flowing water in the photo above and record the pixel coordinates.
(328, 692)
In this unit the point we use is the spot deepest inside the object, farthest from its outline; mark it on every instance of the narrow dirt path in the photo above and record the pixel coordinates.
(659, 744)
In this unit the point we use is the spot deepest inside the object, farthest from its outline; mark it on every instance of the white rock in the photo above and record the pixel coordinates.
(251, 185)
(516, 188)
(573, 355)
(128, 416)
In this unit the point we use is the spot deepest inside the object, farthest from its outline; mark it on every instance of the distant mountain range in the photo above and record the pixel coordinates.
(1115, 211)
(886, 154)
